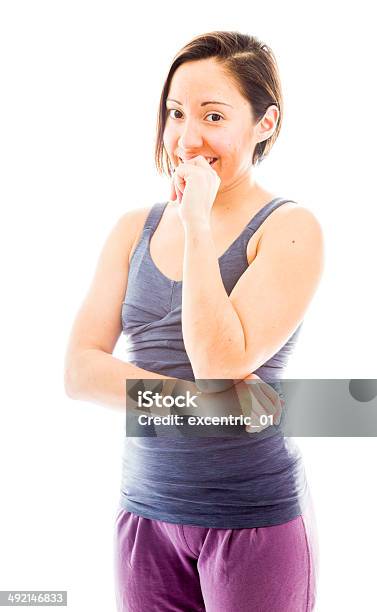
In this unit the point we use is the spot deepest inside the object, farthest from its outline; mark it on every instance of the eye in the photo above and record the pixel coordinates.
(216, 115)
(175, 110)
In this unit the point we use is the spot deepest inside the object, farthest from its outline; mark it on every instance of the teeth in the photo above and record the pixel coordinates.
(209, 159)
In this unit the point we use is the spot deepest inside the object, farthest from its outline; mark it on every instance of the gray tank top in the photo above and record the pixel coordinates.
(235, 482)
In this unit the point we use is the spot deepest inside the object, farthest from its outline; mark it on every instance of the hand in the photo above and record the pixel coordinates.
(254, 401)
(195, 185)
(251, 400)
(259, 399)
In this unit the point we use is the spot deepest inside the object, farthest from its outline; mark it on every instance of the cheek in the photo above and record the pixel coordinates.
(236, 152)
(169, 141)
(226, 151)
(219, 144)
(168, 134)
(234, 146)
(166, 140)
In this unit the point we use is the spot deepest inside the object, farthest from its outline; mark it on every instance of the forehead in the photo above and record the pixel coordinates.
(203, 80)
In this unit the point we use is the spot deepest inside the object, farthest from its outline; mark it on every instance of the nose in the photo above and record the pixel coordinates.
(190, 137)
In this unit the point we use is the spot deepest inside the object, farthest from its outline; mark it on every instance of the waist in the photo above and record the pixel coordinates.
(234, 480)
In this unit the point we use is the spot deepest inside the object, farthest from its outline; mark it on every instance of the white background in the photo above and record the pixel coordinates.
(80, 87)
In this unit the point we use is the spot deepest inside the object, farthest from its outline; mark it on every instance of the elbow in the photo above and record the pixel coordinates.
(71, 378)
(69, 386)
(223, 359)
(228, 368)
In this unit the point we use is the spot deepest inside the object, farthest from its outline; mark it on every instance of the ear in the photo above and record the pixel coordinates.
(267, 125)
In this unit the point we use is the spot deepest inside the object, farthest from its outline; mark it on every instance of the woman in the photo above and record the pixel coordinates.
(213, 284)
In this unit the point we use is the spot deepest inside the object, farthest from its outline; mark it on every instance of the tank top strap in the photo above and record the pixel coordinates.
(154, 216)
(158, 208)
(264, 212)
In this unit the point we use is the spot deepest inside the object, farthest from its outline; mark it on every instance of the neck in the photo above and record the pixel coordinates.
(237, 194)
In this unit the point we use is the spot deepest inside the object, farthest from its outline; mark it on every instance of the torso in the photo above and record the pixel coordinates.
(167, 242)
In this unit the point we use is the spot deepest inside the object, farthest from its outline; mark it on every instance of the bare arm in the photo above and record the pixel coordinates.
(230, 336)
(101, 378)
(91, 372)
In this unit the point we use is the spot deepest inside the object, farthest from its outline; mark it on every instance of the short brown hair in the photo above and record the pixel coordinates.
(252, 66)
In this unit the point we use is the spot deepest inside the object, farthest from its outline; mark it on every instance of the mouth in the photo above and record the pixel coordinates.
(210, 160)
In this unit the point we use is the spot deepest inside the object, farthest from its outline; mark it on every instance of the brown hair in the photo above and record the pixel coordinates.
(252, 66)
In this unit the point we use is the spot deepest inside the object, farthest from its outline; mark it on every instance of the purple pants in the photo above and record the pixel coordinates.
(167, 567)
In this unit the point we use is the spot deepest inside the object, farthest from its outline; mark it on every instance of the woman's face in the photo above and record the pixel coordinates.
(206, 115)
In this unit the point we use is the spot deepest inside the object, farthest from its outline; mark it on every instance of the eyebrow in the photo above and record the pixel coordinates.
(202, 104)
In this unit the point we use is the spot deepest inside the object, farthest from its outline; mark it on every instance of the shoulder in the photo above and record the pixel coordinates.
(294, 234)
(134, 218)
(130, 226)
(291, 221)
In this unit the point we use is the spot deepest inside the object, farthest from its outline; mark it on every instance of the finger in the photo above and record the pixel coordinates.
(277, 402)
(179, 182)
(270, 392)
(173, 193)
(244, 397)
(266, 395)
(270, 400)
(256, 424)
(198, 160)
(261, 398)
